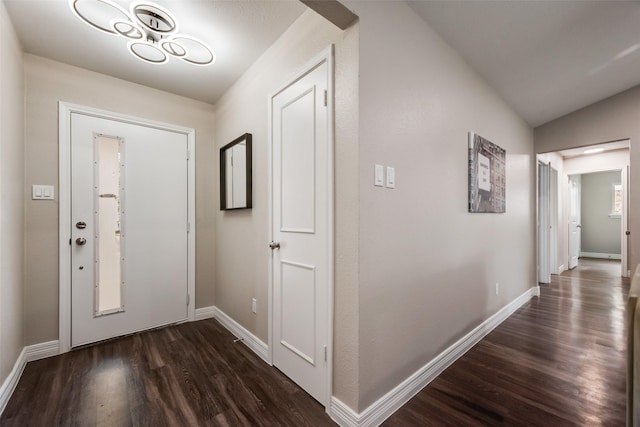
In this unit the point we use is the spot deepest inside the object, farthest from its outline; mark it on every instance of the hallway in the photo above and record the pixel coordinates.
(558, 361)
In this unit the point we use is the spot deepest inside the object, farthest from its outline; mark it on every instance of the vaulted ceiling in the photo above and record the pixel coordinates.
(546, 58)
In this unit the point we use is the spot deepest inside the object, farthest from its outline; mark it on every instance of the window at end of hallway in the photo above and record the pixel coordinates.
(616, 201)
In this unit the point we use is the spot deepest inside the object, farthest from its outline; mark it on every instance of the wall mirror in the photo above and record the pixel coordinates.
(235, 174)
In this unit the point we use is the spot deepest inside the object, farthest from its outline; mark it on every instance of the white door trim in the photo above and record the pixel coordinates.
(64, 197)
(326, 56)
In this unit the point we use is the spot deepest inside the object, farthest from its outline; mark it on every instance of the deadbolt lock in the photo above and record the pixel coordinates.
(81, 225)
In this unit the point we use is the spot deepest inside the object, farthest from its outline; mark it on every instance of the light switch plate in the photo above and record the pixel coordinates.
(378, 180)
(391, 177)
(42, 192)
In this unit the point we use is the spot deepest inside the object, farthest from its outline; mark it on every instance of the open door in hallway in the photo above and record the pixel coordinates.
(574, 220)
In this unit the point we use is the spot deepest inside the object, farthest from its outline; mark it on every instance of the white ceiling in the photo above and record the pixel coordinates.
(546, 58)
(238, 31)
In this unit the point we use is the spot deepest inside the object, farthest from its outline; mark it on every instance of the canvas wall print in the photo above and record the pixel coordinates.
(487, 176)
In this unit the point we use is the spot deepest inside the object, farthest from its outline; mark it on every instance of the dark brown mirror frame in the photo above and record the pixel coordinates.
(248, 175)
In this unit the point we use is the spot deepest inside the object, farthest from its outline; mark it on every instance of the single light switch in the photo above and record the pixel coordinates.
(379, 176)
(391, 177)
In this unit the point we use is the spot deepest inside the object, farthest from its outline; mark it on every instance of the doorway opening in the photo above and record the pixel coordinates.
(583, 208)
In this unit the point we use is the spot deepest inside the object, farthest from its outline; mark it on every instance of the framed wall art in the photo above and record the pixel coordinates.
(487, 175)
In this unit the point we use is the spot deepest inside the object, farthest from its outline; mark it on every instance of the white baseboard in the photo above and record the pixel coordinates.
(28, 354)
(205, 313)
(380, 410)
(600, 255)
(42, 350)
(561, 269)
(11, 381)
(250, 340)
(342, 414)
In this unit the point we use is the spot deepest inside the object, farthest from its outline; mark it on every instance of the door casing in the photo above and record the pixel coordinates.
(64, 194)
(325, 56)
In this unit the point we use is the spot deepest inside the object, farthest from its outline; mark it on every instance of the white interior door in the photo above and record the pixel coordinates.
(574, 220)
(544, 273)
(301, 215)
(129, 228)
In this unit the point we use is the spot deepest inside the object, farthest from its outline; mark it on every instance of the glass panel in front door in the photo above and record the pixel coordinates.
(109, 208)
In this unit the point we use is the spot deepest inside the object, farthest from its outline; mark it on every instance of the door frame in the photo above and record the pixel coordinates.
(326, 56)
(554, 214)
(543, 222)
(65, 110)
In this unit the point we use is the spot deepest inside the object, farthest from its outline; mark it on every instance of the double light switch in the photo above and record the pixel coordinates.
(42, 192)
(379, 177)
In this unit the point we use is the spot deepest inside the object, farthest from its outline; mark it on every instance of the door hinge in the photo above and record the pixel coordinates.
(188, 299)
(325, 353)
(325, 98)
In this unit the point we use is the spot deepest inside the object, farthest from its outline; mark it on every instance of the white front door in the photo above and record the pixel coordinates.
(301, 215)
(574, 220)
(129, 215)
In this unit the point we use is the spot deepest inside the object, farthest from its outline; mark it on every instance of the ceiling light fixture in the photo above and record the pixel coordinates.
(151, 29)
(593, 150)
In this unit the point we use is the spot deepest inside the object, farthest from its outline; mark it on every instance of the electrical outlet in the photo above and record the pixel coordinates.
(497, 288)
(254, 305)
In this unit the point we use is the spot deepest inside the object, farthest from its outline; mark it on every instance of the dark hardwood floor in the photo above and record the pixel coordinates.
(559, 360)
(191, 374)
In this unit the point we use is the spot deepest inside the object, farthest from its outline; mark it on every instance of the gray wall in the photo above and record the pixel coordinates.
(48, 82)
(600, 232)
(11, 193)
(428, 268)
(613, 119)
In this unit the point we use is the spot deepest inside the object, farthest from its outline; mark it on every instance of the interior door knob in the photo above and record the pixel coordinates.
(274, 245)
(81, 241)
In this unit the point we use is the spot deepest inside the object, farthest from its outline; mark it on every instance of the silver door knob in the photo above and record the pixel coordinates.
(81, 241)
(274, 245)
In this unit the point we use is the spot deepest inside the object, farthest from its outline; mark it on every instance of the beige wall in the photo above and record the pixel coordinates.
(242, 255)
(48, 82)
(613, 119)
(428, 268)
(11, 205)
